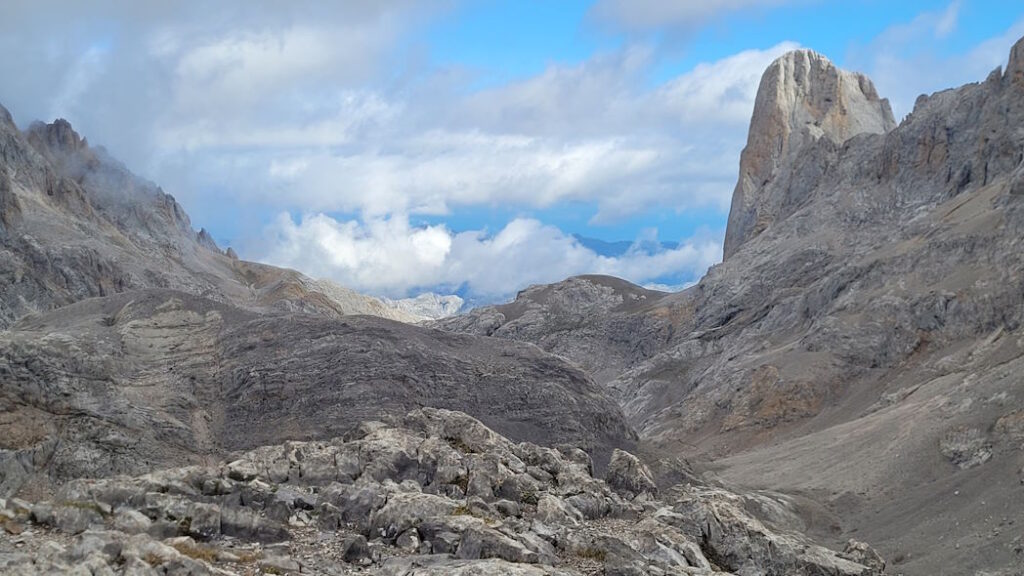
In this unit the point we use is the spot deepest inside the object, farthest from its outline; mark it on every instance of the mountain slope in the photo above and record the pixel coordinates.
(602, 323)
(860, 340)
(75, 223)
(129, 341)
(156, 378)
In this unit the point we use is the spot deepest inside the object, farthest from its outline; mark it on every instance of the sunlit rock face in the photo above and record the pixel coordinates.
(802, 98)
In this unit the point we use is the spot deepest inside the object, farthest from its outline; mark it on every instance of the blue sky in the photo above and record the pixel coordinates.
(400, 146)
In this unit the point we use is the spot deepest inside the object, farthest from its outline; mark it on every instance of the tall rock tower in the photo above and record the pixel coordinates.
(802, 98)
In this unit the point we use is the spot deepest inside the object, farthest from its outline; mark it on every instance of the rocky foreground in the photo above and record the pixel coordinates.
(435, 492)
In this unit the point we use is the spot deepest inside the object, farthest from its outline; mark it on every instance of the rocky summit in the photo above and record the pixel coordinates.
(840, 396)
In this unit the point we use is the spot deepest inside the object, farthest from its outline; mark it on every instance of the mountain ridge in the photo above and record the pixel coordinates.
(93, 228)
(856, 344)
(131, 341)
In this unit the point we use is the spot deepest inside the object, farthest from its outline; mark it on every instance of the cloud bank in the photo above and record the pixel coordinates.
(338, 112)
(388, 256)
(305, 108)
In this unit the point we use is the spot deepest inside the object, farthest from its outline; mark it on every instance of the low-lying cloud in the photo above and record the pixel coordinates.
(391, 257)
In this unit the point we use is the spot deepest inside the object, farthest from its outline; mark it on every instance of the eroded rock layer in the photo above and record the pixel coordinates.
(155, 378)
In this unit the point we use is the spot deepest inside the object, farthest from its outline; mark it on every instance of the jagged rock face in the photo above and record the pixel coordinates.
(155, 378)
(802, 98)
(862, 345)
(75, 223)
(436, 492)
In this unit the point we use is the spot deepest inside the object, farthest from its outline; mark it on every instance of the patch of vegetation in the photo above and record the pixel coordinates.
(83, 505)
(462, 482)
(529, 497)
(597, 554)
(463, 510)
(248, 556)
(152, 559)
(196, 551)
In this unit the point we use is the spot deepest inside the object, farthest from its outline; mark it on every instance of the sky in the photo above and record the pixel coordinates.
(471, 147)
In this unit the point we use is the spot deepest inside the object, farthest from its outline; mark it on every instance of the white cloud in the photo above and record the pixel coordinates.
(947, 20)
(720, 92)
(330, 108)
(307, 107)
(77, 80)
(907, 59)
(680, 14)
(584, 133)
(388, 256)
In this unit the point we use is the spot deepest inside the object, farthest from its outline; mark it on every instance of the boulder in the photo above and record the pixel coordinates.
(627, 475)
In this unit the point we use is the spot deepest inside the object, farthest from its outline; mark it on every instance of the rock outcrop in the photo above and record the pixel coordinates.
(437, 493)
(602, 323)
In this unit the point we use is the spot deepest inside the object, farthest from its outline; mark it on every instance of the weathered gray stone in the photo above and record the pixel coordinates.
(482, 542)
(354, 549)
(244, 523)
(204, 520)
(627, 474)
(131, 521)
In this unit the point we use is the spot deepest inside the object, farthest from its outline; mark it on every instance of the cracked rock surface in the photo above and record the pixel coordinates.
(436, 492)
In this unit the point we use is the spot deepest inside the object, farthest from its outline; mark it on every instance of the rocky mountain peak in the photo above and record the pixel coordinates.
(58, 137)
(6, 118)
(1015, 68)
(802, 98)
(206, 240)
